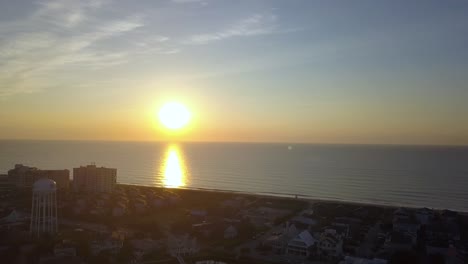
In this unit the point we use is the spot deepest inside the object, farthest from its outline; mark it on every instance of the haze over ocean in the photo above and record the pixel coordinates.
(431, 176)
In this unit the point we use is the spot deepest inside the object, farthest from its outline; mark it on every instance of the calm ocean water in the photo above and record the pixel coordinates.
(435, 177)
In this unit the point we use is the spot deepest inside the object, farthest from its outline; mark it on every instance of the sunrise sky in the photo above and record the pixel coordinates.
(390, 72)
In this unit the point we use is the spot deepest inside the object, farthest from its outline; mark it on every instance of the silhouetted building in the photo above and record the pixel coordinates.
(94, 179)
(24, 177)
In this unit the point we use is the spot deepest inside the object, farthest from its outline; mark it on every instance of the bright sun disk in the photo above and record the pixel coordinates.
(174, 115)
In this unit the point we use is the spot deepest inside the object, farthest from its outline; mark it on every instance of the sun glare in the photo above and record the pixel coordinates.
(174, 115)
(174, 168)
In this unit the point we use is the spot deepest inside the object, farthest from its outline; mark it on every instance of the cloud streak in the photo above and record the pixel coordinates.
(40, 45)
(257, 24)
(67, 37)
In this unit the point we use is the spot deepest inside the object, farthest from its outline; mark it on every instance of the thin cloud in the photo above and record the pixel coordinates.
(189, 1)
(41, 45)
(67, 13)
(258, 24)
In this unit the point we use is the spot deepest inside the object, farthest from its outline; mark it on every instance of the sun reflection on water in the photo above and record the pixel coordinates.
(174, 171)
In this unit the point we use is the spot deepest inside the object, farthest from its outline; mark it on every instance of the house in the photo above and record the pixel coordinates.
(408, 227)
(204, 228)
(453, 255)
(233, 203)
(230, 232)
(356, 260)
(301, 245)
(330, 244)
(398, 241)
(424, 215)
(346, 225)
(119, 210)
(158, 201)
(182, 245)
(112, 245)
(280, 241)
(64, 248)
(78, 210)
(142, 247)
(60, 260)
(101, 202)
(172, 198)
(140, 206)
(342, 229)
(304, 222)
(401, 213)
(442, 231)
(198, 213)
(449, 216)
(81, 202)
(14, 218)
(265, 216)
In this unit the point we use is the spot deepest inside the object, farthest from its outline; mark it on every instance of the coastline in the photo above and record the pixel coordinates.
(284, 196)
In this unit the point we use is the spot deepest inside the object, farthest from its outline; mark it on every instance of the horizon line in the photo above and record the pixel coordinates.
(243, 142)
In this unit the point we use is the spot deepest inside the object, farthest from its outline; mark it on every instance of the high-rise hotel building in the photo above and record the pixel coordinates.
(94, 179)
(24, 177)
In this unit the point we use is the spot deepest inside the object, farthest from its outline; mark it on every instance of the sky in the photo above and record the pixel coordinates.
(357, 72)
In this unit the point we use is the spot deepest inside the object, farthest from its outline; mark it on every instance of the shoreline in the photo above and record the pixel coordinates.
(286, 196)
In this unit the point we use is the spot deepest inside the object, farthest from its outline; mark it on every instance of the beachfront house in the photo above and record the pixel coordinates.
(398, 242)
(408, 227)
(330, 244)
(424, 215)
(279, 242)
(401, 213)
(302, 245)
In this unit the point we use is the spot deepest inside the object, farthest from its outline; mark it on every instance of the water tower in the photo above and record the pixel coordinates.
(44, 207)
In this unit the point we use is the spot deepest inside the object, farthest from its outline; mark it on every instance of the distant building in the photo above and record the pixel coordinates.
(94, 179)
(24, 177)
(60, 177)
(5, 184)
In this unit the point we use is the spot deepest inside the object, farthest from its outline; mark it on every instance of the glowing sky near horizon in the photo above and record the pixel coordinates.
(277, 71)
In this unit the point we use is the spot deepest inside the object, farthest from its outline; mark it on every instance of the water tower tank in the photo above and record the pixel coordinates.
(44, 185)
(44, 207)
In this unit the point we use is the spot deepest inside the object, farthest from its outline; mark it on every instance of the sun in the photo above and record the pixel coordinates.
(174, 115)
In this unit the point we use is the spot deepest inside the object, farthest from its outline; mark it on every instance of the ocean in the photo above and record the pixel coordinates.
(419, 176)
